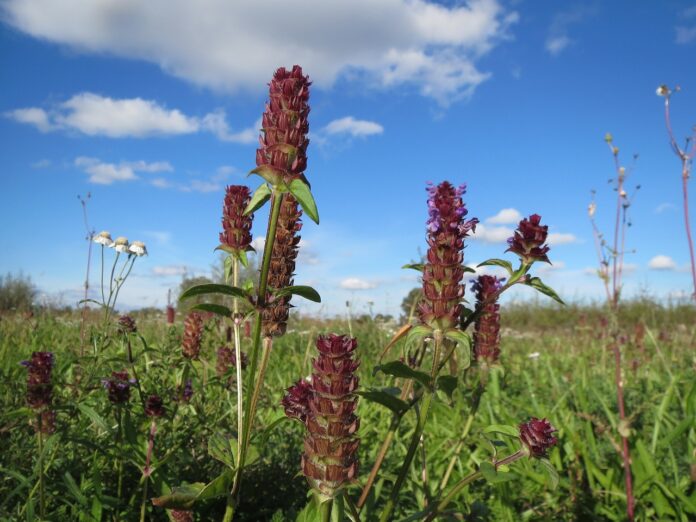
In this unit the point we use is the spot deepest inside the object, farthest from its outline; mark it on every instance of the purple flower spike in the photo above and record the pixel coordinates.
(537, 436)
(528, 241)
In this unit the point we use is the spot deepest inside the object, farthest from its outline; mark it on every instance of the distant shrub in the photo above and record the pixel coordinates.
(17, 293)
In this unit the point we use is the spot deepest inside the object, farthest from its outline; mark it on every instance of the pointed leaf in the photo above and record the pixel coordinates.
(537, 284)
(463, 341)
(213, 308)
(398, 335)
(498, 262)
(180, 497)
(510, 431)
(220, 448)
(307, 292)
(303, 195)
(272, 175)
(218, 487)
(385, 397)
(447, 383)
(551, 473)
(399, 369)
(258, 199)
(414, 266)
(213, 288)
(243, 258)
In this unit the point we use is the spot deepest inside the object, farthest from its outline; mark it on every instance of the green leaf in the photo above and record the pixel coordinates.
(498, 262)
(213, 288)
(223, 449)
(94, 416)
(417, 334)
(303, 195)
(551, 473)
(243, 258)
(258, 198)
(218, 487)
(399, 369)
(415, 266)
(180, 497)
(468, 269)
(447, 383)
(307, 292)
(273, 176)
(510, 431)
(537, 284)
(385, 397)
(463, 341)
(213, 308)
(495, 476)
(229, 266)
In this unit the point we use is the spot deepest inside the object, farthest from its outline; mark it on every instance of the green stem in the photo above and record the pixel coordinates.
(325, 510)
(119, 443)
(276, 200)
(238, 359)
(143, 502)
(102, 274)
(42, 487)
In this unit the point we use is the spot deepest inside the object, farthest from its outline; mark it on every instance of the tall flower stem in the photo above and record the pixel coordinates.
(119, 444)
(42, 487)
(325, 510)
(624, 440)
(276, 200)
(238, 359)
(415, 439)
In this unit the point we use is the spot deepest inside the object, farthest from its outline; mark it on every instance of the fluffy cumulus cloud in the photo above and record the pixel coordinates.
(96, 115)
(355, 283)
(495, 234)
(236, 45)
(507, 216)
(662, 262)
(559, 238)
(353, 127)
(104, 173)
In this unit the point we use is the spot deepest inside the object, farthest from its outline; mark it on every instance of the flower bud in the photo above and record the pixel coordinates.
(537, 436)
(528, 241)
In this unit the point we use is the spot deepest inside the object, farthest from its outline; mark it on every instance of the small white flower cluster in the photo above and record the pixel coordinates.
(121, 244)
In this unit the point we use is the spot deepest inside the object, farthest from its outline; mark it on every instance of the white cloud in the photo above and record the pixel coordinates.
(662, 262)
(160, 237)
(506, 216)
(354, 283)
(41, 164)
(258, 243)
(106, 173)
(492, 234)
(686, 33)
(663, 207)
(236, 45)
(350, 125)
(169, 270)
(95, 115)
(558, 38)
(555, 45)
(558, 238)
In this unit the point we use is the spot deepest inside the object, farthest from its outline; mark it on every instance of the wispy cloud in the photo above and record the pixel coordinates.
(558, 37)
(356, 128)
(506, 216)
(41, 164)
(664, 207)
(104, 173)
(558, 238)
(355, 283)
(170, 270)
(662, 262)
(427, 45)
(95, 115)
(492, 234)
(686, 30)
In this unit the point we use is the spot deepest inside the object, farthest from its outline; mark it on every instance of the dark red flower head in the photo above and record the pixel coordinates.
(126, 324)
(154, 407)
(528, 241)
(537, 436)
(443, 272)
(487, 327)
(39, 386)
(236, 227)
(193, 331)
(118, 387)
(296, 400)
(284, 140)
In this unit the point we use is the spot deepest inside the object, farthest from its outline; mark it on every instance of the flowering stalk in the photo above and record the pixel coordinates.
(118, 388)
(686, 156)
(154, 408)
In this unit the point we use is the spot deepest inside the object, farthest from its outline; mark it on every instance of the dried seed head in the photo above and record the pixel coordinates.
(154, 407)
(193, 331)
(118, 387)
(537, 436)
(103, 238)
(126, 324)
(443, 272)
(236, 227)
(283, 143)
(39, 386)
(327, 407)
(528, 241)
(138, 248)
(282, 267)
(487, 327)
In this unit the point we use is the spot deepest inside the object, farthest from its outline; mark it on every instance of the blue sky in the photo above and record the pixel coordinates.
(153, 107)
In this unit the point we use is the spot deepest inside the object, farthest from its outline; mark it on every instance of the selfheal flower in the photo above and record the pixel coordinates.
(179, 515)
(126, 324)
(236, 227)
(487, 327)
(443, 272)
(193, 331)
(528, 241)
(537, 436)
(138, 248)
(283, 144)
(39, 386)
(154, 407)
(187, 394)
(103, 238)
(120, 245)
(296, 400)
(47, 422)
(227, 360)
(327, 405)
(118, 387)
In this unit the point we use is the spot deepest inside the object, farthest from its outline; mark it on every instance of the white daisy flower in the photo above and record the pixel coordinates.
(138, 248)
(103, 238)
(120, 245)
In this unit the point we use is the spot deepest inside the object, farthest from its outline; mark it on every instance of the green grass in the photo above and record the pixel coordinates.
(570, 382)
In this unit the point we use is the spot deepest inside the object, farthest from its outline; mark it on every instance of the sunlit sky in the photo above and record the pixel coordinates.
(153, 107)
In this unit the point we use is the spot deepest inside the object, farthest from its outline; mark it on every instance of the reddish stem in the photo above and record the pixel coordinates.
(685, 179)
(622, 416)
